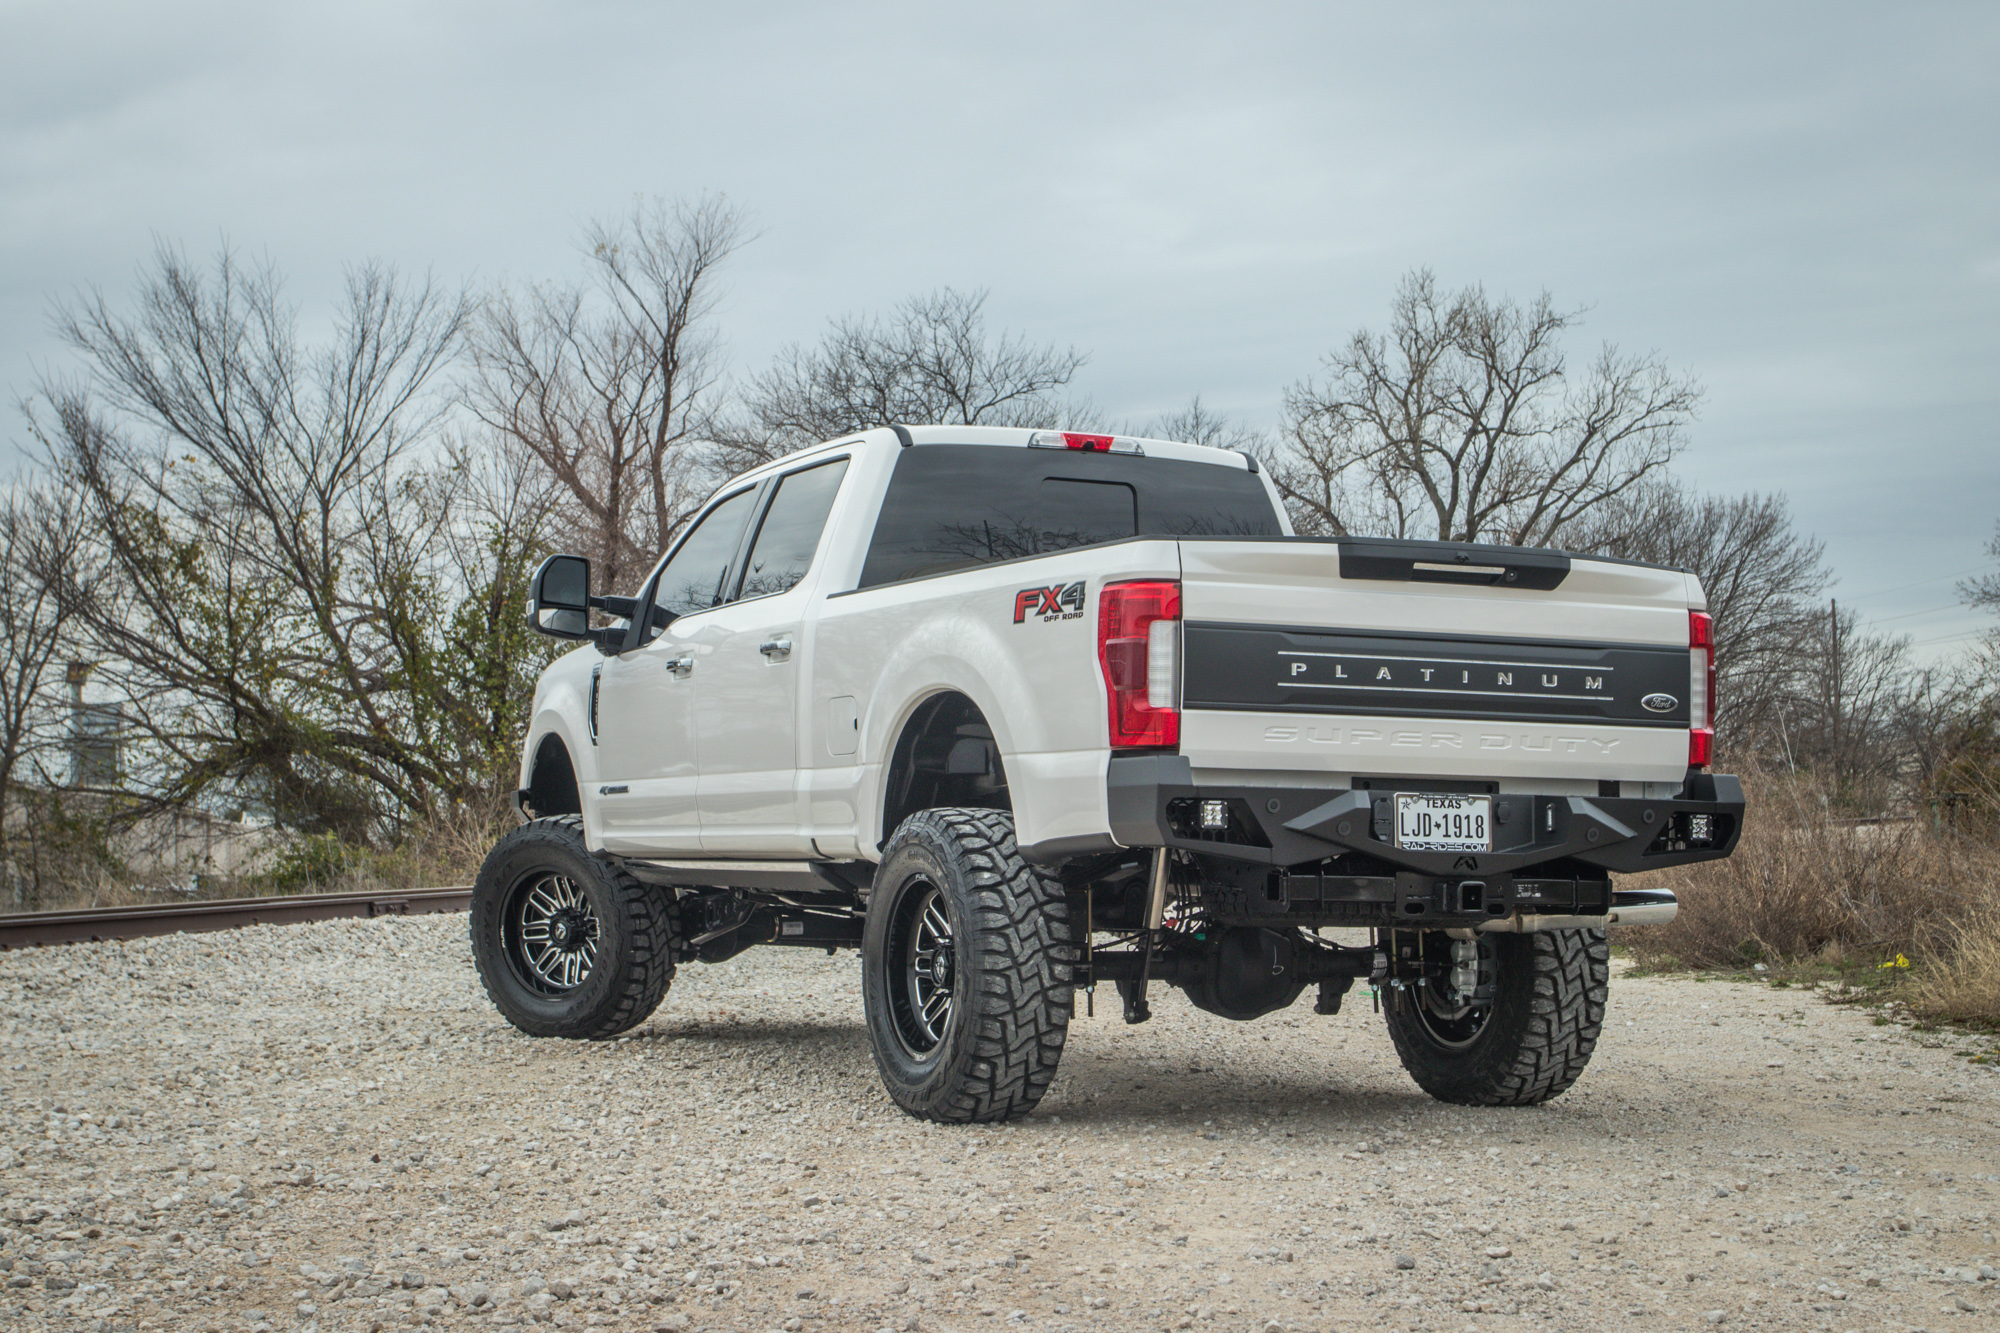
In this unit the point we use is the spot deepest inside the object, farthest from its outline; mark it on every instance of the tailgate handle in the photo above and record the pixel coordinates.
(1392, 561)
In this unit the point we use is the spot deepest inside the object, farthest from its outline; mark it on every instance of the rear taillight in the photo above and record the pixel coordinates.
(1139, 648)
(1701, 689)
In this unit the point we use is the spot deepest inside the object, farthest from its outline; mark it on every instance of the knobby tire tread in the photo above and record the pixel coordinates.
(1538, 1041)
(1023, 994)
(654, 932)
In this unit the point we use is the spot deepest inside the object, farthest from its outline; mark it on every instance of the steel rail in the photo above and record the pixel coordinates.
(84, 925)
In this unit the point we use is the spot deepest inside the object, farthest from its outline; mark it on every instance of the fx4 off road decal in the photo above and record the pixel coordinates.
(1057, 603)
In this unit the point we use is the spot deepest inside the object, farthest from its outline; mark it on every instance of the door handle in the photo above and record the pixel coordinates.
(680, 666)
(775, 648)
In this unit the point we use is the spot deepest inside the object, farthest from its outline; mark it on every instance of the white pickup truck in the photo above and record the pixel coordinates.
(1015, 712)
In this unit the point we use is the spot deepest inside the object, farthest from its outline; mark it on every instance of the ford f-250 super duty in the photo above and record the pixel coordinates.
(1017, 712)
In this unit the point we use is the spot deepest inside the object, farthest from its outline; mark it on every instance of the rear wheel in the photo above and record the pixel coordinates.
(568, 945)
(1510, 1020)
(966, 969)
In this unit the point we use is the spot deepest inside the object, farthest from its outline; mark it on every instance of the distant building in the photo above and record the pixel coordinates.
(96, 734)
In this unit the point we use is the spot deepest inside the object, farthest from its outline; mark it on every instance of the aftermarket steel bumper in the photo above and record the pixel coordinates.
(1154, 801)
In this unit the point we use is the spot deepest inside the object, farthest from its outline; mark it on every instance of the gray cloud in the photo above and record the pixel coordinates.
(1797, 201)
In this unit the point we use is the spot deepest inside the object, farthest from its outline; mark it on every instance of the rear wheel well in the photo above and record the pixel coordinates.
(946, 756)
(551, 786)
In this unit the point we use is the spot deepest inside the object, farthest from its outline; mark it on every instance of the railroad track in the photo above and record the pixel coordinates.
(27, 929)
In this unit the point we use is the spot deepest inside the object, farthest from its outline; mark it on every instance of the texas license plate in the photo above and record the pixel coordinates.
(1444, 823)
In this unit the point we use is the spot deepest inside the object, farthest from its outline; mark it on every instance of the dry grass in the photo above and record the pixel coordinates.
(1806, 891)
(94, 888)
(440, 852)
(1963, 984)
(444, 851)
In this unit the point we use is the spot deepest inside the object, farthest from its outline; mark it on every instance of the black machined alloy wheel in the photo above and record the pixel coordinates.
(924, 988)
(551, 933)
(1523, 1036)
(967, 966)
(568, 945)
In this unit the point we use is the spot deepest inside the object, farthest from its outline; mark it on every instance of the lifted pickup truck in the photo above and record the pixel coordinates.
(1018, 712)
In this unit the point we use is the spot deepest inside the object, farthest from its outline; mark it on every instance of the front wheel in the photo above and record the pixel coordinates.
(1500, 1019)
(967, 965)
(569, 945)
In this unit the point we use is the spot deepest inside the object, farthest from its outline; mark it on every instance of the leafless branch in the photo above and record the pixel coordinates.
(1462, 423)
(610, 384)
(930, 361)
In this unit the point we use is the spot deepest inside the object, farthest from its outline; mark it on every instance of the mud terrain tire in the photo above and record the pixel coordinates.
(968, 961)
(1537, 1035)
(569, 945)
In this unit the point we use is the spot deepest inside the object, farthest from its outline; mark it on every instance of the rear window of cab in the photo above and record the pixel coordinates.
(954, 506)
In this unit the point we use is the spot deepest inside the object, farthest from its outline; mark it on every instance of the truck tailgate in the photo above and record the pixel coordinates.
(1292, 663)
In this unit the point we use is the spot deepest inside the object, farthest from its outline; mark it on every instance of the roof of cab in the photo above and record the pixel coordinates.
(1019, 436)
(1006, 436)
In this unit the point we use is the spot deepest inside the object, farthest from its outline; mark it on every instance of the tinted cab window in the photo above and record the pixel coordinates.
(695, 577)
(790, 532)
(951, 506)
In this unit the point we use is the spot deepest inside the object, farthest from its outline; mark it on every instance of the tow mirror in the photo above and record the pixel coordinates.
(559, 598)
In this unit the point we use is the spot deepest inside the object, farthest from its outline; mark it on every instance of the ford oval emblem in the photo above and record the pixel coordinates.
(1659, 703)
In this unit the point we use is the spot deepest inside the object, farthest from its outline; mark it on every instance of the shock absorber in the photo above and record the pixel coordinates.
(1134, 992)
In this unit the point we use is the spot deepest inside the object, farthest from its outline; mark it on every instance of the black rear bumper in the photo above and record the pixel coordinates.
(1155, 802)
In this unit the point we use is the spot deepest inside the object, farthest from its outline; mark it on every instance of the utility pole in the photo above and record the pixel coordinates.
(1833, 659)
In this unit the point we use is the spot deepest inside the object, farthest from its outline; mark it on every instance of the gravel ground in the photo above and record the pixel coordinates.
(327, 1127)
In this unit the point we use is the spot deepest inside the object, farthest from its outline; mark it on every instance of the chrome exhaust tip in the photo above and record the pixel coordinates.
(1629, 907)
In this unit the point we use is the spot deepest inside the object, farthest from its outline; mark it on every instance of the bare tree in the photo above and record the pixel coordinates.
(1762, 577)
(1852, 699)
(272, 517)
(930, 361)
(1959, 731)
(1464, 423)
(609, 384)
(1984, 591)
(44, 543)
(504, 508)
(1198, 423)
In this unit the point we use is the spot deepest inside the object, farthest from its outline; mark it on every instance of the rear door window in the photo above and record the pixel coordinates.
(952, 506)
(790, 532)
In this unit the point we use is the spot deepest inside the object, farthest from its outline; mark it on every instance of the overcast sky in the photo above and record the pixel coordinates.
(1800, 203)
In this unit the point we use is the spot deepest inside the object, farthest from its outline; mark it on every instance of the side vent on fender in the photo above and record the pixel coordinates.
(595, 675)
